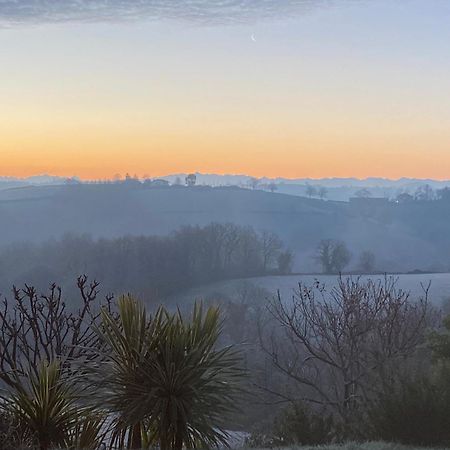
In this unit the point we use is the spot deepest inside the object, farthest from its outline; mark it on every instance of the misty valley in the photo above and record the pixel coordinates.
(224, 224)
(325, 319)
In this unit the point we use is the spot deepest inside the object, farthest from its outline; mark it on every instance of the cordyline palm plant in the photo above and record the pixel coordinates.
(166, 379)
(46, 408)
(126, 340)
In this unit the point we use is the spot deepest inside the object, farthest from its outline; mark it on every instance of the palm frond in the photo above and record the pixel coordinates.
(45, 405)
(165, 375)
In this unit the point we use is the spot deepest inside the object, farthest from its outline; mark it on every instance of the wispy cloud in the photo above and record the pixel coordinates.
(197, 11)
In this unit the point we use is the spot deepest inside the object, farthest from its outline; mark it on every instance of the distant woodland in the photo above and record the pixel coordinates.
(403, 234)
(154, 266)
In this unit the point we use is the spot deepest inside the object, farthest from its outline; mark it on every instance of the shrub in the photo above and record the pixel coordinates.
(414, 412)
(44, 405)
(296, 425)
(9, 433)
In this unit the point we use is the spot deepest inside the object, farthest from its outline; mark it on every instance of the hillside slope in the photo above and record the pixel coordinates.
(403, 237)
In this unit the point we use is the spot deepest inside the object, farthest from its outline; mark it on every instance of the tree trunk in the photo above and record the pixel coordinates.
(179, 436)
(163, 443)
(136, 438)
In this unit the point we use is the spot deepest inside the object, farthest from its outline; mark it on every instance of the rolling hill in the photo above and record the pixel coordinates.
(402, 236)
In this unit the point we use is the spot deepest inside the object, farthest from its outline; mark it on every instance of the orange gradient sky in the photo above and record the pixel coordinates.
(357, 91)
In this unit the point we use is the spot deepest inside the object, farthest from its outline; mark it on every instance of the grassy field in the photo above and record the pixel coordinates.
(355, 446)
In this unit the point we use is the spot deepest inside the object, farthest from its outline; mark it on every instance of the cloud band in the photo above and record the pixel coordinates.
(198, 11)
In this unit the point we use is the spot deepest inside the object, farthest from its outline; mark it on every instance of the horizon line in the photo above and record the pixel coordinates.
(175, 174)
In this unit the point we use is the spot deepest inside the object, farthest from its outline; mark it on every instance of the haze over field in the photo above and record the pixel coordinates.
(42, 224)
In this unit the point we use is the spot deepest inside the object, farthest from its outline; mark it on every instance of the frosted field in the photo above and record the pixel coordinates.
(438, 292)
(439, 288)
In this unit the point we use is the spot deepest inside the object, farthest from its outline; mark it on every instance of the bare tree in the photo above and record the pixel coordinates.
(311, 191)
(253, 183)
(271, 247)
(285, 260)
(404, 197)
(363, 193)
(324, 255)
(367, 261)
(332, 255)
(322, 192)
(36, 327)
(191, 180)
(339, 348)
(340, 257)
(443, 194)
(425, 193)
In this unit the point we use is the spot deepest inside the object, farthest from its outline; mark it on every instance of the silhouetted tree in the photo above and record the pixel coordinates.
(324, 255)
(404, 198)
(363, 193)
(253, 183)
(333, 255)
(367, 261)
(271, 247)
(285, 261)
(322, 192)
(191, 180)
(443, 194)
(311, 191)
(424, 193)
(340, 257)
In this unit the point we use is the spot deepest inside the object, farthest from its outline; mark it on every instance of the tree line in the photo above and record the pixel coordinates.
(333, 256)
(156, 266)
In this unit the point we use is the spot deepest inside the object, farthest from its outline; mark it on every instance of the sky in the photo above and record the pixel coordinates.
(290, 88)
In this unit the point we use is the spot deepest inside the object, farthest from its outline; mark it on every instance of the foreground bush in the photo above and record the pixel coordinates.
(9, 433)
(45, 411)
(414, 412)
(295, 425)
(299, 426)
(130, 380)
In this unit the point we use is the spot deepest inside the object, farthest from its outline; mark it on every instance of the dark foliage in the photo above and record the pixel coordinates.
(295, 425)
(440, 342)
(414, 412)
(333, 256)
(298, 425)
(9, 432)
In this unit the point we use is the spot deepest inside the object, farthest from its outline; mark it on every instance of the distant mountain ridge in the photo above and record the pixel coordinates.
(237, 179)
(34, 180)
(219, 179)
(338, 189)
